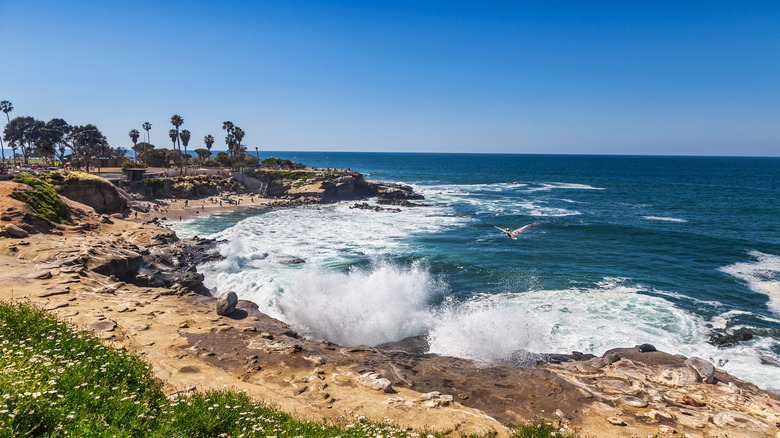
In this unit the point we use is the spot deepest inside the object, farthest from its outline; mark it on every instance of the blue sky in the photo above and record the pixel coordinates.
(691, 78)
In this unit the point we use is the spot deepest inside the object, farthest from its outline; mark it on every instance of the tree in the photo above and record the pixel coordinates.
(142, 147)
(89, 142)
(6, 107)
(45, 142)
(185, 140)
(229, 139)
(117, 153)
(134, 134)
(177, 120)
(159, 157)
(59, 129)
(23, 132)
(203, 153)
(147, 127)
(174, 135)
(238, 149)
(209, 140)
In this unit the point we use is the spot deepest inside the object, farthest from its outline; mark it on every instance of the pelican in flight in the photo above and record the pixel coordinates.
(512, 233)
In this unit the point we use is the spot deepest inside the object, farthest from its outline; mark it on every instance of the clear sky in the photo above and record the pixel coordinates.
(676, 77)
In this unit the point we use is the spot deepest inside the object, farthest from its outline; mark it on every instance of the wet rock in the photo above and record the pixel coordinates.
(646, 348)
(729, 340)
(611, 358)
(286, 259)
(226, 303)
(13, 230)
(374, 381)
(705, 369)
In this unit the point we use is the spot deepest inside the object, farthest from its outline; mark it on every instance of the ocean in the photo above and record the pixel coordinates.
(670, 251)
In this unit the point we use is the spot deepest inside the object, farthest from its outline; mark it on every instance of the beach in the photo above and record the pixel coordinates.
(81, 273)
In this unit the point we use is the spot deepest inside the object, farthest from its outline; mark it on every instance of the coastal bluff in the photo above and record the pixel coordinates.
(135, 285)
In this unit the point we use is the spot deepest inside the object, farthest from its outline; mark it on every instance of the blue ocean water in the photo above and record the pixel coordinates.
(627, 250)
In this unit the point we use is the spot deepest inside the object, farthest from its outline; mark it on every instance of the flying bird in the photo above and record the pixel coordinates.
(512, 233)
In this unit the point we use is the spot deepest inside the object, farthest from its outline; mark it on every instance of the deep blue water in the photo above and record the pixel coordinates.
(628, 249)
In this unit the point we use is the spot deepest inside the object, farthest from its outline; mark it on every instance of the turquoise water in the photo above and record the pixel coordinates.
(627, 250)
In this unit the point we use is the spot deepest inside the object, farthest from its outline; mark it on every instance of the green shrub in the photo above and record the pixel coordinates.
(133, 165)
(42, 199)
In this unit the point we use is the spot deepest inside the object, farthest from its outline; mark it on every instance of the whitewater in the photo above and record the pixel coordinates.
(628, 250)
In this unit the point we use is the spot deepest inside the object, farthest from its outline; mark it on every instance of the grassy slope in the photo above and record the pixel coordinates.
(42, 199)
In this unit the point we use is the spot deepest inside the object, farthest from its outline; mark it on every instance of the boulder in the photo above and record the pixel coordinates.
(226, 303)
(679, 375)
(374, 381)
(15, 231)
(703, 367)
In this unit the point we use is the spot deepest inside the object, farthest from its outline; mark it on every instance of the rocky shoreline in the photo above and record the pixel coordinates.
(136, 286)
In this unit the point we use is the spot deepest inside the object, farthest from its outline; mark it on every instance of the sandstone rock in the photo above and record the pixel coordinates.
(226, 303)
(360, 349)
(617, 421)
(690, 401)
(40, 275)
(705, 369)
(315, 360)
(374, 381)
(15, 231)
(679, 375)
(634, 401)
(56, 291)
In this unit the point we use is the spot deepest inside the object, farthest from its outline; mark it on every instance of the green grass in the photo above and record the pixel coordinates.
(543, 429)
(59, 382)
(42, 199)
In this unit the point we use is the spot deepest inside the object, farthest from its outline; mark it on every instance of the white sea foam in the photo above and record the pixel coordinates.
(664, 219)
(762, 275)
(372, 306)
(563, 186)
(496, 328)
(536, 209)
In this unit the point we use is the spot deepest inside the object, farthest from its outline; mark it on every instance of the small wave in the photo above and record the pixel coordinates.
(534, 209)
(562, 186)
(664, 219)
(762, 275)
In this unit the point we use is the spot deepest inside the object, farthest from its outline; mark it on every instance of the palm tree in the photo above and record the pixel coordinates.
(174, 136)
(134, 134)
(185, 140)
(6, 107)
(229, 127)
(177, 120)
(147, 127)
(209, 140)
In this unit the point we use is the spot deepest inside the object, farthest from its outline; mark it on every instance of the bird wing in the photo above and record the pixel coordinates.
(498, 228)
(523, 228)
